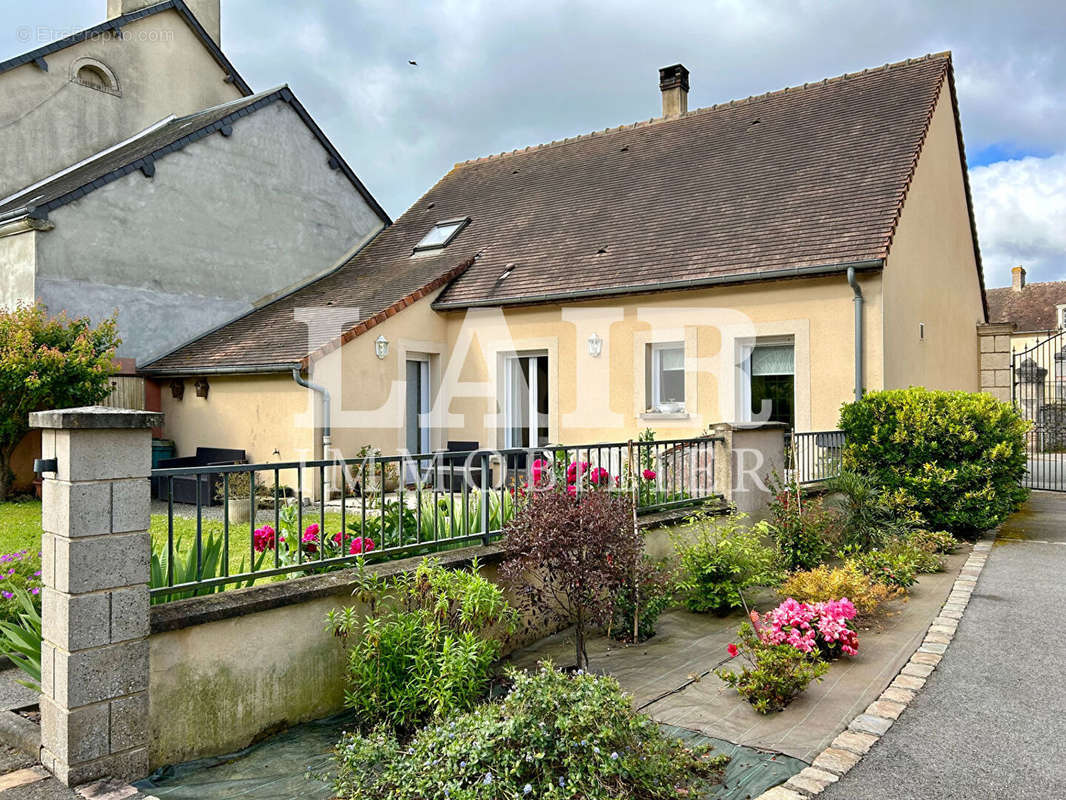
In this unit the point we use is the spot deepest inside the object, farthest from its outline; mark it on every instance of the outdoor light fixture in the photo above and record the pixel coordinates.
(177, 389)
(201, 388)
(595, 346)
(381, 346)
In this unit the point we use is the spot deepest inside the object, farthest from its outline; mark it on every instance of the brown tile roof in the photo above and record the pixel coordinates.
(808, 178)
(1031, 309)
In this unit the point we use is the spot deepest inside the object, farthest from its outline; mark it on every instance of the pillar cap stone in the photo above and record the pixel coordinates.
(95, 418)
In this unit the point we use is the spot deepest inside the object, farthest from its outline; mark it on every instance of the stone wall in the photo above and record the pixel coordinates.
(995, 355)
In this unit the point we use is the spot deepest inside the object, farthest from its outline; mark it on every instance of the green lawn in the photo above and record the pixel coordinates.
(20, 526)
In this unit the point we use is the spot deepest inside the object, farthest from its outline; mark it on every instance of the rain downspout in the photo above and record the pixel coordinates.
(326, 430)
(854, 284)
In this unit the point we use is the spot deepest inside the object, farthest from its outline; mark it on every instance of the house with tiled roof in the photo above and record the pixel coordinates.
(1037, 310)
(140, 176)
(762, 259)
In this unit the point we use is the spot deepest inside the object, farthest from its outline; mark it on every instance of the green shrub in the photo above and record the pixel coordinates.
(802, 528)
(954, 457)
(554, 736)
(720, 557)
(775, 673)
(425, 651)
(866, 520)
(19, 570)
(933, 541)
(923, 561)
(895, 570)
(649, 591)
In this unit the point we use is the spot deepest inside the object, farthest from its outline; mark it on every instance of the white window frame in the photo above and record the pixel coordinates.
(460, 223)
(1060, 313)
(656, 403)
(511, 361)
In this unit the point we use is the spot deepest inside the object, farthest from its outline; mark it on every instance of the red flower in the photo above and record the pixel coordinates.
(649, 474)
(732, 650)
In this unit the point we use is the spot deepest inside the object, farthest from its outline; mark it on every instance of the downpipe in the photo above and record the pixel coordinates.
(327, 430)
(854, 284)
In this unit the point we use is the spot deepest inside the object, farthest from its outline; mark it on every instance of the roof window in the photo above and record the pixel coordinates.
(441, 234)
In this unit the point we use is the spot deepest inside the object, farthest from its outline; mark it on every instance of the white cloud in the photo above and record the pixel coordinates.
(1021, 217)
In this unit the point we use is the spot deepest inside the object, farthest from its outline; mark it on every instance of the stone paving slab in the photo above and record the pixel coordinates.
(659, 673)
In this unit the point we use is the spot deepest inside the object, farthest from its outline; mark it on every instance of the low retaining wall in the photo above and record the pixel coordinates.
(228, 669)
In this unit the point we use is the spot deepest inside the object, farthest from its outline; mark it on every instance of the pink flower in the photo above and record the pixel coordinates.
(599, 477)
(264, 539)
(540, 471)
(649, 474)
(360, 545)
(732, 650)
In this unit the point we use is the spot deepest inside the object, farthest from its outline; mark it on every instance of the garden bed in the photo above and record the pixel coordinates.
(669, 675)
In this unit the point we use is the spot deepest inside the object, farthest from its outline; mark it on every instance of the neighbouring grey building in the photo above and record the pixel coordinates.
(154, 184)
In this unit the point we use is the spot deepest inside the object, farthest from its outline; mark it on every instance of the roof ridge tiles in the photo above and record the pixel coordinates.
(943, 54)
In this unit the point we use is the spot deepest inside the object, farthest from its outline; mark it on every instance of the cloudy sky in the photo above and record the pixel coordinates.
(493, 76)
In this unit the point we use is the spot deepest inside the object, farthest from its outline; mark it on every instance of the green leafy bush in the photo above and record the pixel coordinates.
(719, 558)
(18, 570)
(426, 650)
(648, 592)
(185, 570)
(802, 528)
(893, 569)
(554, 736)
(774, 674)
(933, 541)
(866, 520)
(954, 457)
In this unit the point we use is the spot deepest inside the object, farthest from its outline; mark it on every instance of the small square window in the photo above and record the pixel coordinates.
(666, 377)
(441, 234)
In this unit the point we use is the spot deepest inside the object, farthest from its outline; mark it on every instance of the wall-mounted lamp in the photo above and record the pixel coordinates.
(381, 346)
(595, 346)
(177, 389)
(202, 388)
(921, 331)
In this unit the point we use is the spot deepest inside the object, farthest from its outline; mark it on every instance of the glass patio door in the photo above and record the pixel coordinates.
(526, 400)
(416, 415)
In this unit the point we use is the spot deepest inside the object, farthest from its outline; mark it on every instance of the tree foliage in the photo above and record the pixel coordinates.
(48, 362)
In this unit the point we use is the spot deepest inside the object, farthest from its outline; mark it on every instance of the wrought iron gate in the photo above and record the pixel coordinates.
(1038, 389)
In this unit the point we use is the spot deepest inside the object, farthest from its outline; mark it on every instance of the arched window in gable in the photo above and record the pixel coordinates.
(94, 74)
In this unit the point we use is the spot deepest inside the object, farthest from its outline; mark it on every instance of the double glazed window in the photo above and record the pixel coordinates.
(666, 377)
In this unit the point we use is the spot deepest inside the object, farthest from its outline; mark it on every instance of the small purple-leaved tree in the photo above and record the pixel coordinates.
(567, 555)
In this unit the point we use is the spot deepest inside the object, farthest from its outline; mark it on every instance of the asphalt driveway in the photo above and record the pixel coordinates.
(991, 721)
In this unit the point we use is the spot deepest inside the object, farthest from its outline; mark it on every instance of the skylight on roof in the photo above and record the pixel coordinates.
(441, 234)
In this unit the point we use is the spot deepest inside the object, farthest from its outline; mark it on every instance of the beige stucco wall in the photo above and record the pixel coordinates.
(591, 399)
(258, 414)
(930, 275)
(48, 122)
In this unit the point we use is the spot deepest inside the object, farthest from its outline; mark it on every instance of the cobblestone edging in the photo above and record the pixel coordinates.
(847, 749)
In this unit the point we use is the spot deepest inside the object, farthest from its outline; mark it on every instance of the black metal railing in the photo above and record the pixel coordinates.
(257, 521)
(814, 456)
(1038, 391)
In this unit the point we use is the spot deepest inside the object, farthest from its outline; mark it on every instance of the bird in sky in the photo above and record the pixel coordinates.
(412, 63)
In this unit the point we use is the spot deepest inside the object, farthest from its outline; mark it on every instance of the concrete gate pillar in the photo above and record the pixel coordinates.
(95, 568)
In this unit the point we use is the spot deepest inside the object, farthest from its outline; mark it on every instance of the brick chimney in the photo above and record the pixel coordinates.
(207, 12)
(673, 83)
(1017, 278)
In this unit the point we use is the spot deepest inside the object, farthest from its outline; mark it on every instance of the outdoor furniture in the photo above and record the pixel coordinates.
(451, 472)
(185, 485)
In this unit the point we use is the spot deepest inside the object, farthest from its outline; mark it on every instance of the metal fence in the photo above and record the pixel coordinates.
(814, 456)
(245, 522)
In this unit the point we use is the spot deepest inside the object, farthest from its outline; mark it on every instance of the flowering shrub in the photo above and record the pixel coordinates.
(720, 558)
(774, 673)
(18, 570)
(553, 737)
(311, 542)
(801, 526)
(810, 626)
(828, 583)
